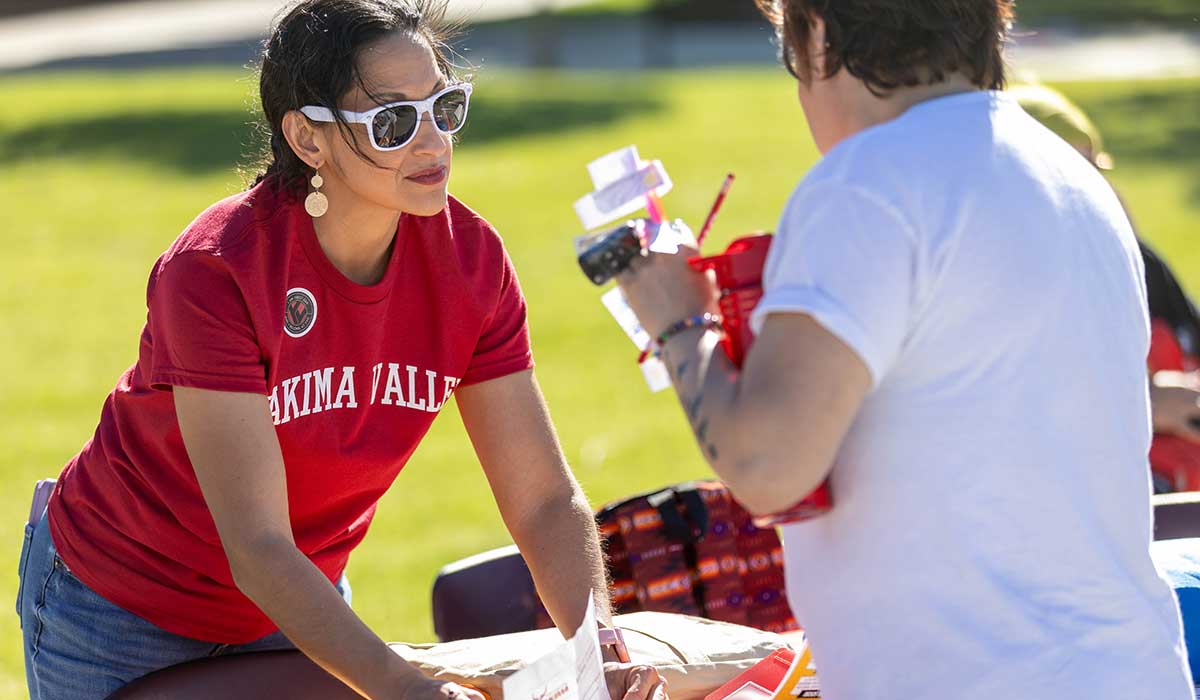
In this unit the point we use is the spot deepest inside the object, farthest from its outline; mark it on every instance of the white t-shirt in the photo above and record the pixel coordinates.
(991, 523)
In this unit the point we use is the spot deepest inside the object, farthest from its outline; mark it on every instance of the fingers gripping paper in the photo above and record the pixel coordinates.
(624, 183)
(572, 671)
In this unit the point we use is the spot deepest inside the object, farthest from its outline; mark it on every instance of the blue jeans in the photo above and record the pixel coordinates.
(79, 646)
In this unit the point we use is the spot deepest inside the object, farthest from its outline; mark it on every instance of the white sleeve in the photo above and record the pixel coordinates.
(847, 258)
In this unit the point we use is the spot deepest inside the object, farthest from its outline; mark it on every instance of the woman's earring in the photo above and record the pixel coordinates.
(316, 204)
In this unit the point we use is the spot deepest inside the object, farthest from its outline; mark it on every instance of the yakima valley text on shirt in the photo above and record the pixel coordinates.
(392, 384)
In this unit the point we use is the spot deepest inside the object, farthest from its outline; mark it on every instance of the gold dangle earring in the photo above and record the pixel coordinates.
(316, 204)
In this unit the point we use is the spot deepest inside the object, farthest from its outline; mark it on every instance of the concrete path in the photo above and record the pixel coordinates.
(183, 32)
(154, 26)
(1125, 54)
(1051, 55)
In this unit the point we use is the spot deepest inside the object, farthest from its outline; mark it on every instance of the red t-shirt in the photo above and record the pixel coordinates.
(245, 300)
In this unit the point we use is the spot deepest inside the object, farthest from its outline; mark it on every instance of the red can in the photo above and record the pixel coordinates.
(739, 272)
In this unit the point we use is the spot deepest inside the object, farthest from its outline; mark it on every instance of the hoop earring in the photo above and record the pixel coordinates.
(316, 204)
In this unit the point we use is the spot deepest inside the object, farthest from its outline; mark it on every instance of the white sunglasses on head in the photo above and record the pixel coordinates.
(392, 126)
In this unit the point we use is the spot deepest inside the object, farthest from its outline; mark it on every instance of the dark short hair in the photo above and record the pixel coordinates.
(311, 58)
(890, 44)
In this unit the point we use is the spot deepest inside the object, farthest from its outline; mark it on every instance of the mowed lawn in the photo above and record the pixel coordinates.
(101, 171)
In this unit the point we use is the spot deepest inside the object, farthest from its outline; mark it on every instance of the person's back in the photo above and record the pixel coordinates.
(992, 509)
(952, 332)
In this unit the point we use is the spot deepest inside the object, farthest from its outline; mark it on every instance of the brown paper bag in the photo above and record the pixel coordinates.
(696, 656)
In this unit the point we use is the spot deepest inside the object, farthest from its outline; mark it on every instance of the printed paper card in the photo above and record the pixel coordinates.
(653, 369)
(801, 679)
(621, 180)
(572, 671)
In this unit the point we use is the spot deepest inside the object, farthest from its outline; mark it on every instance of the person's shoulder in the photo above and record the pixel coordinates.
(856, 182)
(471, 236)
(906, 162)
(924, 142)
(233, 224)
(882, 154)
(871, 160)
(232, 240)
(866, 168)
(464, 245)
(467, 223)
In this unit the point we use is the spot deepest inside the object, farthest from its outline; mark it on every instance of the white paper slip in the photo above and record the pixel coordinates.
(670, 236)
(572, 671)
(653, 369)
(611, 167)
(623, 197)
(621, 180)
(589, 664)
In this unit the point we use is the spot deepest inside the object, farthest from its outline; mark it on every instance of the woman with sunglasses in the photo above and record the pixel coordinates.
(300, 339)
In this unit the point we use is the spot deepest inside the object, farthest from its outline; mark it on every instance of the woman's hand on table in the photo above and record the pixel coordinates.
(633, 682)
(1175, 403)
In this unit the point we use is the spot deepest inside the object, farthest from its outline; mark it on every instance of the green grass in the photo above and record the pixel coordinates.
(608, 6)
(1183, 14)
(102, 171)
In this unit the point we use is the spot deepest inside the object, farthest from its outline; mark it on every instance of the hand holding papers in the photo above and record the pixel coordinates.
(624, 183)
(573, 671)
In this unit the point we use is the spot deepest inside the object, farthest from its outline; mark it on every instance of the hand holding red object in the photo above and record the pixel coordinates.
(739, 273)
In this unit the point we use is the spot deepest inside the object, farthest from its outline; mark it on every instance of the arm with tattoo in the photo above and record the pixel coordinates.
(706, 384)
(772, 429)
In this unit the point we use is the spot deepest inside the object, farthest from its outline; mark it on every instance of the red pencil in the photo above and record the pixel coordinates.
(716, 207)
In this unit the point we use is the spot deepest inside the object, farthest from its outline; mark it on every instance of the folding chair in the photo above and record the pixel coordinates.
(1176, 515)
(483, 595)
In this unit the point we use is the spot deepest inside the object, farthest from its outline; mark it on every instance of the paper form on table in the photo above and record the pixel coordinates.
(572, 671)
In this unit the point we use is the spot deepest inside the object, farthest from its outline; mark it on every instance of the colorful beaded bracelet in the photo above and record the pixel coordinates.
(706, 321)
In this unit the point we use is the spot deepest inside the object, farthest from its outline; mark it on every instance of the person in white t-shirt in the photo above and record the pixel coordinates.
(954, 333)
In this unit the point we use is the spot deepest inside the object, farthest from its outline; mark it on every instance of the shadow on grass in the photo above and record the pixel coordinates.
(205, 142)
(192, 142)
(1153, 127)
(499, 119)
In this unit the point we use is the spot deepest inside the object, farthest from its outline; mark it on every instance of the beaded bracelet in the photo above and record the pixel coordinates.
(654, 349)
